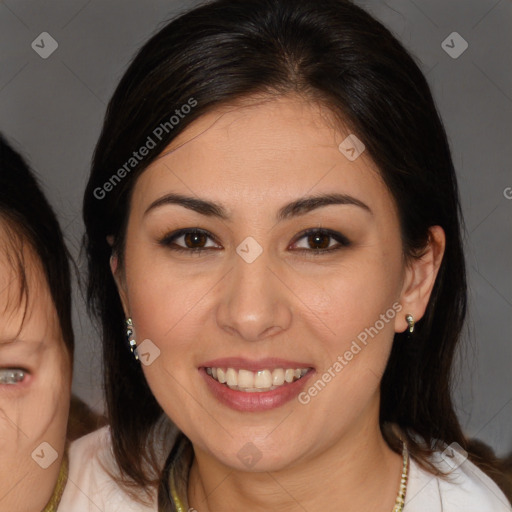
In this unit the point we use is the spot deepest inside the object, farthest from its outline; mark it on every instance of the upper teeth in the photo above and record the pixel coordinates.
(262, 380)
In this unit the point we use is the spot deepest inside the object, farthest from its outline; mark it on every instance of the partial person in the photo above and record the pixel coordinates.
(37, 419)
(36, 343)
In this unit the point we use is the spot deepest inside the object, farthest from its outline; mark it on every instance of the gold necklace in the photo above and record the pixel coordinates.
(399, 502)
(400, 499)
(59, 487)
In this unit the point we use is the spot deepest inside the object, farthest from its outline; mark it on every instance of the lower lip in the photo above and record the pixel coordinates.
(255, 401)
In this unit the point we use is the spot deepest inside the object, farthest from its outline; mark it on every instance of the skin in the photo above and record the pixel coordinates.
(34, 410)
(253, 159)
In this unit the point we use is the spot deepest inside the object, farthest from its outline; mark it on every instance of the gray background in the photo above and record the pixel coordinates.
(52, 109)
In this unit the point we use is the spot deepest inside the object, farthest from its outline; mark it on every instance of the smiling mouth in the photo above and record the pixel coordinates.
(256, 382)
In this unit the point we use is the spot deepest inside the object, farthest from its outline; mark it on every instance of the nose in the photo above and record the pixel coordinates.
(254, 304)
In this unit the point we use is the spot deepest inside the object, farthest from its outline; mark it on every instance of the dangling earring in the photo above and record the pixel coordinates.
(410, 322)
(131, 342)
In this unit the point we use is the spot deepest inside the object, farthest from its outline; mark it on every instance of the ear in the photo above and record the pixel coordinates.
(420, 277)
(120, 281)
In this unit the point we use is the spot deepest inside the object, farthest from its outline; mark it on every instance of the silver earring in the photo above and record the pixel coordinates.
(410, 322)
(131, 342)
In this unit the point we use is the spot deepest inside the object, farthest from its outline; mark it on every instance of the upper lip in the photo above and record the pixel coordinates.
(240, 363)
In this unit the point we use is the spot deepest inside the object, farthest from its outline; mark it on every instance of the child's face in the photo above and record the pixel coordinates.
(35, 381)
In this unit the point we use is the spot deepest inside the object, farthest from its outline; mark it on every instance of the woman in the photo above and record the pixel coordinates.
(36, 343)
(272, 222)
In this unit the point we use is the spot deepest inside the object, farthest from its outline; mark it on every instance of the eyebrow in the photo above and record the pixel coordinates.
(298, 207)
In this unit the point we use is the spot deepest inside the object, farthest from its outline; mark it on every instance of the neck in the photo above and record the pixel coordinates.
(358, 472)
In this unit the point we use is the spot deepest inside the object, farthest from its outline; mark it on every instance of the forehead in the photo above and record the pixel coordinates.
(278, 148)
(265, 135)
(26, 305)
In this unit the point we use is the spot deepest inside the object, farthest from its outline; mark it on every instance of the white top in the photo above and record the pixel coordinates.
(90, 489)
(466, 489)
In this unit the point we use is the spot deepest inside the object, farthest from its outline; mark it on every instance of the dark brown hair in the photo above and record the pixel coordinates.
(29, 219)
(330, 52)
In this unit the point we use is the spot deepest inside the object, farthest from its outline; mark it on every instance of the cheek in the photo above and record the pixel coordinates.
(55, 393)
(360, 305)
(172, 311)
(25, 423)
(10, 418)
(166, 302)
(353, 297)
(40, 410)
(18, 422)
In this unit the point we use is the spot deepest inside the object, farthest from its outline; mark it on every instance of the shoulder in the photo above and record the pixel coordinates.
(465, 488)
(90, 486)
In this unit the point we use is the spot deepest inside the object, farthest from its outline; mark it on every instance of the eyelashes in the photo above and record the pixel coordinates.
(12, 376)
(316, 236)
(198, 239)
(189, 235)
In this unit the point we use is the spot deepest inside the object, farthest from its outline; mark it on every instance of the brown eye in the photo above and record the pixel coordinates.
(320, 241)
(189, 240)
(195, 239)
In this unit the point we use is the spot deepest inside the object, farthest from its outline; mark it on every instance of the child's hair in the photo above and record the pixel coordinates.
(29, 221)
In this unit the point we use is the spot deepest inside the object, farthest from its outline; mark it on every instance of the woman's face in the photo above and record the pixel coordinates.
(264, 302)
(35, 381)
